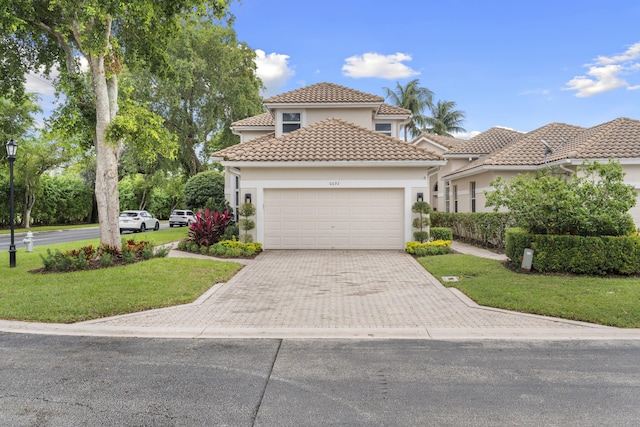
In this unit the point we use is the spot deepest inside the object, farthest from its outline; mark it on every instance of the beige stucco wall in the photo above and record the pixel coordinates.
(436, 198)
(359, 116)
(255, 180)
(248, 135)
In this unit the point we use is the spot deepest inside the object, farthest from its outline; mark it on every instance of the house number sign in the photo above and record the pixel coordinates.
(334, 183)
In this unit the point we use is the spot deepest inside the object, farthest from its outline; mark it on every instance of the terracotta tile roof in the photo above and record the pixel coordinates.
(445, 141)
(264, 119)
(487, 141)
(323, 93)
(528, 150)
(392, 110)
(328, 140)
(618, 138)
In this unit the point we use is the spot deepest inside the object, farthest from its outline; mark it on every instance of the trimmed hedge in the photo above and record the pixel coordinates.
(576, 254)
(437, 247)
(441, 233)
(485, 229)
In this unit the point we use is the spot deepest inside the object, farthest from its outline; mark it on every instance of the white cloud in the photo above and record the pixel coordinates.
(632, 53)
(39, 84)
(605, 74)
(376, 65)
(466, 135)
(273, 70)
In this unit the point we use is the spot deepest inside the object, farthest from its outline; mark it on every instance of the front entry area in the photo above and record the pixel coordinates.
(334, 218)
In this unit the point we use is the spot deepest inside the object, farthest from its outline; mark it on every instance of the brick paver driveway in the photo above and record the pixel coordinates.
(340, 293)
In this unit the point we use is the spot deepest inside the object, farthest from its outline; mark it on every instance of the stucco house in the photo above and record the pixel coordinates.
(326, 170)
(470, 168)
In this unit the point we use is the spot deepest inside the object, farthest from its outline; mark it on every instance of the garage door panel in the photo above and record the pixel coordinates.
(334, 218)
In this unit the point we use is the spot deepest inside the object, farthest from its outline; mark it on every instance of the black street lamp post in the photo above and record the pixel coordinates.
(12, 147)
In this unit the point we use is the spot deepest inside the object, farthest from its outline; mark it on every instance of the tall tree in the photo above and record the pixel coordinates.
(107, 33)
(415, 98)
(37, 156)
(444, 119)
(212, 83)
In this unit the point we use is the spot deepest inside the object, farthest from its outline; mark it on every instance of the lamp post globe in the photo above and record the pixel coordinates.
(12, 148)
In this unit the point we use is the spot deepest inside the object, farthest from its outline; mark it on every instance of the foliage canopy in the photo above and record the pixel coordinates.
(594, 201)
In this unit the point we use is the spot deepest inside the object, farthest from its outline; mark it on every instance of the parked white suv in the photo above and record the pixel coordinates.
(181, 217)
(138, 221)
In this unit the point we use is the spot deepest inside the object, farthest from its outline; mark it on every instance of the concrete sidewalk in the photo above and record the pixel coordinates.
(333, 294)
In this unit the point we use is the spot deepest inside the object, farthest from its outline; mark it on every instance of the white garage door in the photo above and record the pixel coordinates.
(363, 218)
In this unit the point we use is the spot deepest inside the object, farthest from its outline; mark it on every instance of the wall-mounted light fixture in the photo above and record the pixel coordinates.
(247, 197)
(420, 197)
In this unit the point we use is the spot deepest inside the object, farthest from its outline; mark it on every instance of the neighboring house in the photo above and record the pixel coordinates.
(326, 170)
(559, 146)
(459, 153)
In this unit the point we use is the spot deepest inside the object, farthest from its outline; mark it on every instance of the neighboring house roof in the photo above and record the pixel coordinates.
(323, 93)
(261, 120)
(618, 138)
(328, 140)
(445, 141)
(486, 142)
(527, 151)
(392, 110)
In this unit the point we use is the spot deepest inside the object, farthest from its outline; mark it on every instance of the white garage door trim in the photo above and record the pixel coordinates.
(334, 218)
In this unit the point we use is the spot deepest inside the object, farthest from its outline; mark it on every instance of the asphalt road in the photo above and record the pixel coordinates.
(76, 381)
(60, 236)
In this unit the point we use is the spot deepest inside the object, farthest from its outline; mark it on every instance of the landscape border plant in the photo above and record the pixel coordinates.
(422, 221)
(585, 255)
(484, 229)
(209, 227)
(436, 247)
(224, 248)
(105, 256)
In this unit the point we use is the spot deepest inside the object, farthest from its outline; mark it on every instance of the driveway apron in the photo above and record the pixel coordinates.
(341, 294)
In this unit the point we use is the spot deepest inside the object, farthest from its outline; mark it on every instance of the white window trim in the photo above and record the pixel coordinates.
(280, 122)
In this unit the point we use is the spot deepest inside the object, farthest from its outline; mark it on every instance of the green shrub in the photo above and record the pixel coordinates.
(162, 252)
(441, 233)
(128, 255)
(106, 259)
(586, 255)
(231, 232)
(437, 247)
(147, 252)
(206, 190)
(485, 229)
(421, 236)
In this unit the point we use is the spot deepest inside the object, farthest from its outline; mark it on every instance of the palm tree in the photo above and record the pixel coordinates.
(413, 98)
(444, 119)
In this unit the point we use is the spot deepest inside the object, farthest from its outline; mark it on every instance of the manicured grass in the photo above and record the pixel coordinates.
(46, 228)
(85, 295)
(606, 301)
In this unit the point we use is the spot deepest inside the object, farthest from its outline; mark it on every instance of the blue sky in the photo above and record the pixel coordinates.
(515, 64)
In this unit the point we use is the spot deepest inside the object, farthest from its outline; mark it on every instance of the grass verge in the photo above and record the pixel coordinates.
(85, 295)
(605, 301)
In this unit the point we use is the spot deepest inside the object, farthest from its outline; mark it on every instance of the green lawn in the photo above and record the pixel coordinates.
(77, 296)
(45, 228)
(606, 301)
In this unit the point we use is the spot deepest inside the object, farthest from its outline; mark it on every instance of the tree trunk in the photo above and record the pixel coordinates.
(29, 201)
(106, 189)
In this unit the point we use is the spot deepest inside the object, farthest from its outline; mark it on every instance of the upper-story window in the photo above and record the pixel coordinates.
(290, 122)
(384, 128)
